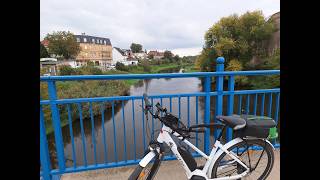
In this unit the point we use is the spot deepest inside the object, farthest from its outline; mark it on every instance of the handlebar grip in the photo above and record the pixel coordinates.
(146, 100)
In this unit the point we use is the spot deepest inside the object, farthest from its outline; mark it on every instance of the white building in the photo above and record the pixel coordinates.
(118, 55)
(140, 55)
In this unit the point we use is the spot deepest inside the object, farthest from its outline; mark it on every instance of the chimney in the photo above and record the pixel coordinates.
(83, 34)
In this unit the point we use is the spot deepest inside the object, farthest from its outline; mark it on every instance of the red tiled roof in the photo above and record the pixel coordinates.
(45, 42)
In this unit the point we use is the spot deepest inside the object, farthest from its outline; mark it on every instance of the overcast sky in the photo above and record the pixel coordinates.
(177, 25)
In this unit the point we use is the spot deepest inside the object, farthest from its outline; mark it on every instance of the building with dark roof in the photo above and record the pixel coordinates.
(95, 49)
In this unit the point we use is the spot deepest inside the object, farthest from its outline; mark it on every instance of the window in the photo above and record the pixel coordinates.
(84, 39)
(78, 39)
(105, 42)
(93, 40)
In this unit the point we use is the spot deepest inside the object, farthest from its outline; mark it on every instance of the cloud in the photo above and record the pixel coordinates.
(162, 24)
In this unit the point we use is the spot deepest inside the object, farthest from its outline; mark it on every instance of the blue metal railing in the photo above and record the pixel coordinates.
(242, 97)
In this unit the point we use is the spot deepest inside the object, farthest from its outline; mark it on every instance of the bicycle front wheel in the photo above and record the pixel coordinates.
(257, 154)
(148, 172)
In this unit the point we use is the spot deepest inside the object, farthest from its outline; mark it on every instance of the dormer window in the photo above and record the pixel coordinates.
(84, 39)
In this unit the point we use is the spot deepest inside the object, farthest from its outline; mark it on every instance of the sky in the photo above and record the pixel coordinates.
(176, 25)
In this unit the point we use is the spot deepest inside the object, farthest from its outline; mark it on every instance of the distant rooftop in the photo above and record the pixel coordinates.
(83, 38)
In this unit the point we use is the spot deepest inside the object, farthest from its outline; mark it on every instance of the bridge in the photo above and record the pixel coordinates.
(124, 139)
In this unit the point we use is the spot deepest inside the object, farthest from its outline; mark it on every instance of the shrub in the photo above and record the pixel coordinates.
(66, 70)
(121, 67)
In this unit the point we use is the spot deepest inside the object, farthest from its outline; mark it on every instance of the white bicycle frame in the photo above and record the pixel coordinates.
(217, 150)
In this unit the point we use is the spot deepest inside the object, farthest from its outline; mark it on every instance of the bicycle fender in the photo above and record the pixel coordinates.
(146, 159)
(226, 146)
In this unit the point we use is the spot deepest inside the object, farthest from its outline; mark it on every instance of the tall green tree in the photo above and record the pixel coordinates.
(167, 54)
(43, 51)
(63, 44)
(135, 48)
(238, 37)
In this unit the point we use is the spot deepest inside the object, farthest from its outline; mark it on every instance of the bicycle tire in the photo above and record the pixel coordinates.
(136, 174)
(267, 148)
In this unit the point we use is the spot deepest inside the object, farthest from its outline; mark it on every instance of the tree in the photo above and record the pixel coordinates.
(176, 58)
(236, 65)
(63, 43)
(150, 56)
(43, 52)
(121, 67)
(167, 54)
(135, 48)
(239, 37)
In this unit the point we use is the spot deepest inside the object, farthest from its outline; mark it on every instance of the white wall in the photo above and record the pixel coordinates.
(117, 57)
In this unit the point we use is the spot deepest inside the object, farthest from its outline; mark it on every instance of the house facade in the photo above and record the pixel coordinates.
(123, 56)
(140, 55)
(156, 54)
(97, 50)
(51, 66)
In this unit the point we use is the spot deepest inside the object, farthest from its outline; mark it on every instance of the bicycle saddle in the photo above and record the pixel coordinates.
(235, 122)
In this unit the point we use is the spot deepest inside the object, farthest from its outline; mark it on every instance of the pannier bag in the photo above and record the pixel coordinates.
(257, 126)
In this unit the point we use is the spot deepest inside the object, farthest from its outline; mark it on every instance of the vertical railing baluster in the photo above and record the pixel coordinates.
(207, 89)
(230, 105)
(93, 134)
(114, 133)
(239, 104)
(197, 109)
(255, 104)
(105, 148)
(44, 151)
(248, 104)
(270, 105)
(179, 107)
(71, 136)
(277, 107)
(188, 103)
(161, 111)
(143, 128)
(262, 104)
(152, 133)
(219, 89)
(124, 132)
(170, 104)
(84, 148)
(56, 125)
(188, 113)
(134, 132)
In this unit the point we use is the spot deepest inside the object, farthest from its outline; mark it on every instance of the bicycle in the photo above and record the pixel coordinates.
(225, 162)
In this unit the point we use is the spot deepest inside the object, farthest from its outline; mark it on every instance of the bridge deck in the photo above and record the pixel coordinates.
(168, 170)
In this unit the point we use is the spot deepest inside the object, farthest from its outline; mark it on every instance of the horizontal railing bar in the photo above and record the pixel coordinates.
(160, 75)
(252, 91)
(109, 165)
(115, 98)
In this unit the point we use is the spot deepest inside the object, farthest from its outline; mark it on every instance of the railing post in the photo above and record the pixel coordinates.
(56, 125)
(219, 89)
(44, 152)
(207, 89)
(230, 104)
